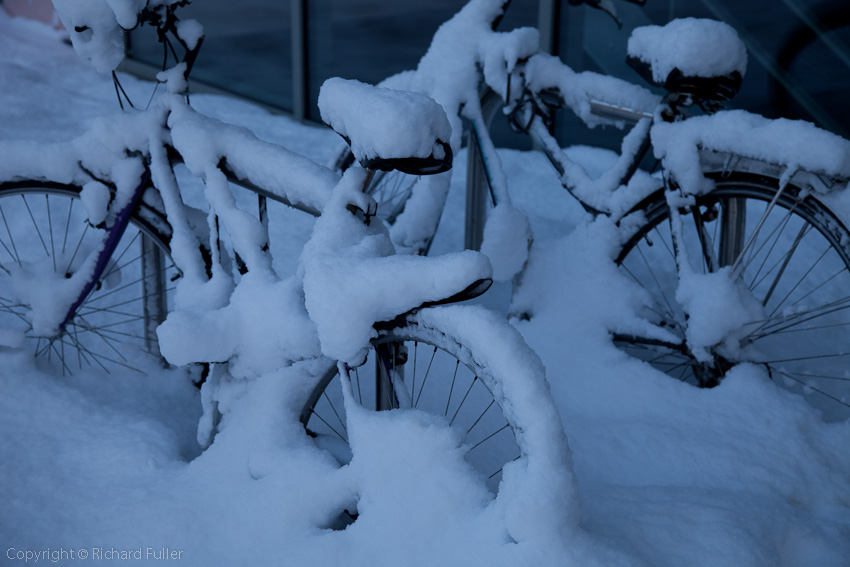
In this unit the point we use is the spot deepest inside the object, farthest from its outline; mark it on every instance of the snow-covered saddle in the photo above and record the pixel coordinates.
(388, 129)
(699, 57)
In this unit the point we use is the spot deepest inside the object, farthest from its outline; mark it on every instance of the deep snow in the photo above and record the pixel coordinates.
(744, 474)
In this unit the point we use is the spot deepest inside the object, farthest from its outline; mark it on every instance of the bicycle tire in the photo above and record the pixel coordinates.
(411, 232)
(45, 236)
(461, 384)
(797, 269)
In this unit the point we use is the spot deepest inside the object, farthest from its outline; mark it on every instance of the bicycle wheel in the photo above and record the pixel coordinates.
(45, 238)
(412, 223)
(789, 309)
(435, 368)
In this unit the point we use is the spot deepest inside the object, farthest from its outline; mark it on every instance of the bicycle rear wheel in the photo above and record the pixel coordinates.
(788, 311)
(46, 238)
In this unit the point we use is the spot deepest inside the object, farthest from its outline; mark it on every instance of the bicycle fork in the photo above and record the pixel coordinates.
(108, 247)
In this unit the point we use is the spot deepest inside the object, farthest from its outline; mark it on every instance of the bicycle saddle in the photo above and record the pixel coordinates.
(699, 57)
(702, 89)
(388, 129)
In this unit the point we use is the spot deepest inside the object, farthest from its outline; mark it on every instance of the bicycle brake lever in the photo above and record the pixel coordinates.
(365, 210)
(364, 216)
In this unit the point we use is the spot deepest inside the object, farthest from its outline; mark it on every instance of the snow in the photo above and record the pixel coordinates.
(696, 47)
(383, 123)
(789, 144)
(191, 32)
(96, 27)
(578, 89)
(665, 474)
(352, 279)
(507, 238)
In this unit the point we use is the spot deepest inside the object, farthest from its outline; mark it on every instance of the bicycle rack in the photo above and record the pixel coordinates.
(477, 184)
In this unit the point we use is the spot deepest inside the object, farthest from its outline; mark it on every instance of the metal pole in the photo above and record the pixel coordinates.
(477, 179)
(548, 20)
(299, 59)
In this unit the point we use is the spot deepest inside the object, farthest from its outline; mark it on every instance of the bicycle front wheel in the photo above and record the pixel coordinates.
(788, 309)
(492, 391)
(45, 239)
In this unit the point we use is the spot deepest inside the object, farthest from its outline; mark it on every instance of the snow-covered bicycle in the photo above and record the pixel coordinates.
(103, 259)
(739, 240)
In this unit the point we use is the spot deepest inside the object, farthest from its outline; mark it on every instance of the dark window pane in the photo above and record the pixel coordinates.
(247, 49)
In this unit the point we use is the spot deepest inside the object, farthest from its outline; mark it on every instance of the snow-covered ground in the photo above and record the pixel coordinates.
(743, 474)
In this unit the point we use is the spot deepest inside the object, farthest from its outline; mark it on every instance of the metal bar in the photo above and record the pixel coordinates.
(477, 182)
(245, 184)
(299, 59)
(612, 111)
(548, 20)
(153, 290)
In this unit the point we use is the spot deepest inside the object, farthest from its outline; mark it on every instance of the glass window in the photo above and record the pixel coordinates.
(799, 50)
(247, 50)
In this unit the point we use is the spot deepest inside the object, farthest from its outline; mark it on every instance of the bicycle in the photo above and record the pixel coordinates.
(738, 243)
(354, 313)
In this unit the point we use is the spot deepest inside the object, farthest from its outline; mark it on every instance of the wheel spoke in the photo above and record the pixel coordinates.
(783, 259)
(471, 427)
(800, 358)
(819, 286)
(800, 281)
(328, 425)
(96, 358)
(50, 232)
(108, 341)
(813, 388)
(67, 225)
(452, 388)
(77, 248)
(11, 255)
(333, 409)
(11, 238)
(671, 312)
(772, 325)
(772, 236)
(505, 426)
(114, 291)
(357, 379)
(741, 220)
(120, 256)
(111, 308)
(437, 362)
(425, 378)
(35, 224)
(52, 347)
(97, 331)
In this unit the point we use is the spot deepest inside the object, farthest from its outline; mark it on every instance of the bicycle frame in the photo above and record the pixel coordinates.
(478, 181)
